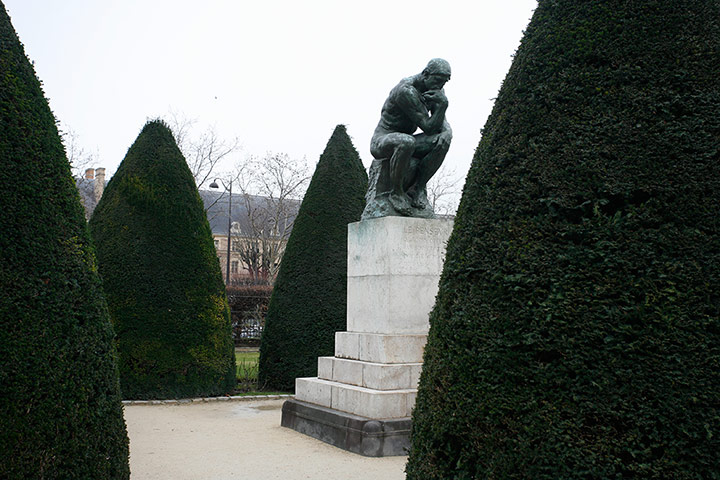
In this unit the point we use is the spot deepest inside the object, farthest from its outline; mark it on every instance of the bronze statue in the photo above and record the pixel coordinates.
(405, 161)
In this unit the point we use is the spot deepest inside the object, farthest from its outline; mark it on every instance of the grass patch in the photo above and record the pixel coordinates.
(246, 356)
(247, 374)
(246, 371)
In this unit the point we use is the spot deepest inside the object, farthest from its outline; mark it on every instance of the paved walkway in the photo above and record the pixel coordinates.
(238, 440)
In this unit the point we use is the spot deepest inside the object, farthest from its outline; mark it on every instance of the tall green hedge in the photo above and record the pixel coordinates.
(60, 410)
(163, 282)
(576, 333)
(308, 302)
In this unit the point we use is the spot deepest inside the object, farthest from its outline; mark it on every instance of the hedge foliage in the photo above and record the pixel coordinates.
(163, 282)
(576, 333)
(309, 299)
(243, 298)
(60, 409)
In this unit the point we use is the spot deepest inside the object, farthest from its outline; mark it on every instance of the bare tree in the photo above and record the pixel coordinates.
(444, 191)
(270, 191)
(80, 159)
(203, 151)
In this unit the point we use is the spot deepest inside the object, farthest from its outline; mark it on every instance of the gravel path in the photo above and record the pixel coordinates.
(238, 439)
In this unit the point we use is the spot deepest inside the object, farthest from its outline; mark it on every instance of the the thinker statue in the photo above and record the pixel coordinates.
(405, 161)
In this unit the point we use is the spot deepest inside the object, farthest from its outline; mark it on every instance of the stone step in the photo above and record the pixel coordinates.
(366, 436)
(378, 376)
(380, 348)
(366, 402)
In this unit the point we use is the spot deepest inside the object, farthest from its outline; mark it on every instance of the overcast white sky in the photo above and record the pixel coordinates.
(278, 74)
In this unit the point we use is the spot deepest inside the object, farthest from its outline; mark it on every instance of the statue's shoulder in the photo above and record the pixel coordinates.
(405, 88)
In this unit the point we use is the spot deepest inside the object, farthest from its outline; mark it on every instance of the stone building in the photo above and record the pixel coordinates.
(259, 227)
(91, 187)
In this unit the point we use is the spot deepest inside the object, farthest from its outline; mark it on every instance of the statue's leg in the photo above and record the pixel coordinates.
(403, 148)
(399, 147)
(431, 155)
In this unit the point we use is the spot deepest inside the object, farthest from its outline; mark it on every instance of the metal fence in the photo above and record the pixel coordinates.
(248, 307)
(247, 325)
(248, 329)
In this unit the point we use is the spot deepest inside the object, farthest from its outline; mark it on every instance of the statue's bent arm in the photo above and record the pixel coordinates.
(410, 102)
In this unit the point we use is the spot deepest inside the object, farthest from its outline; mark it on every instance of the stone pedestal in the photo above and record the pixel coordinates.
(363, 397)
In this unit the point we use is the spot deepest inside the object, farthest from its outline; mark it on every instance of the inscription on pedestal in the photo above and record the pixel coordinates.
(425, 230)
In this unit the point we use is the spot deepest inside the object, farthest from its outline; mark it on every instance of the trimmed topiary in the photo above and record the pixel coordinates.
(60, 409)
(162, 277)
(308, 302)
(576, 333)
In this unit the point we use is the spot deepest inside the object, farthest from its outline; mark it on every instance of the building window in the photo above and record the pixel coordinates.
(217, 244)
(234, 267)
(236, 245)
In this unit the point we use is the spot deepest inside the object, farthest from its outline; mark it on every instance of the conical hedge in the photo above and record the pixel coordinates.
(576, 332)
(308, 302)
(162, 277)
(60, 409)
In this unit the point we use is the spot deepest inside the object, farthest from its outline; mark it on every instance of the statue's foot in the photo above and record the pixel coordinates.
(401, 203)
(419, 199)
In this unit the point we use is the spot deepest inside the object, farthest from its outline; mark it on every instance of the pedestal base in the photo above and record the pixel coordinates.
(362, 435)
(363, 397)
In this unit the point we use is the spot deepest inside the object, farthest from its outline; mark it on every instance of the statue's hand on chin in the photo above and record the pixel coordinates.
(435, 98)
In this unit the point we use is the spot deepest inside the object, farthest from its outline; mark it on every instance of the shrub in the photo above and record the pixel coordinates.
(162, 277)
(60, 409)
(309, 300)
(576, 333)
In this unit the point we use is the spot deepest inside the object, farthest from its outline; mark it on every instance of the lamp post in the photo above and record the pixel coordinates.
(228, 188)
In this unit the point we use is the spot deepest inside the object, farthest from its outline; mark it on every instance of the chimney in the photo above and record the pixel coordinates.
(89, 173)
(99, 183)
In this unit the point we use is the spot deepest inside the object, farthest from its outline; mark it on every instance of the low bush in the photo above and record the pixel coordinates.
(576, 332)
(162, 276)
(309, 300)
(60, 408)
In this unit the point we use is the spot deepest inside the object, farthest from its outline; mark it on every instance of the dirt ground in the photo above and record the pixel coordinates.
(238, 439)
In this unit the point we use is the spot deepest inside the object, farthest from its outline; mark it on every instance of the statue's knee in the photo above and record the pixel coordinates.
(405, 144)
(443, 146)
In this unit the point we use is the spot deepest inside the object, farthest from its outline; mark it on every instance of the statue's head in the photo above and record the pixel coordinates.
(436, 74)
